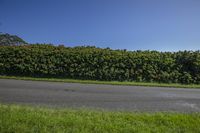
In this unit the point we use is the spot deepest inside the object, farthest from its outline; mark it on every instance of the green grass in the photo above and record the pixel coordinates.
(24, 119)
(104, 82)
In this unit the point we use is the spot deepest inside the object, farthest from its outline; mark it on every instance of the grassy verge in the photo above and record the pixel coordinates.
(104, 82)
(20, 119)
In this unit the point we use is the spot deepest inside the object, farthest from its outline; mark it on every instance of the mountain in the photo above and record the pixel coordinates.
(11, 40)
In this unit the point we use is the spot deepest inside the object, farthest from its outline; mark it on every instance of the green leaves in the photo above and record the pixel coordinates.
(43, 60)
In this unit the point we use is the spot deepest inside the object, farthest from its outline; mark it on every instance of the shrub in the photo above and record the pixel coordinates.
(88, 62)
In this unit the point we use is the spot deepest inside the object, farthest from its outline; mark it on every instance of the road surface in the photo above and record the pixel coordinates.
(107, 97)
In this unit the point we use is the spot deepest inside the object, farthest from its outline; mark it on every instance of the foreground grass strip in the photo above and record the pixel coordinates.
(21, 119)
(104, 82)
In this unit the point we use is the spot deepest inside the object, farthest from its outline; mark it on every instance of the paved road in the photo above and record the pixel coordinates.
(128, 98)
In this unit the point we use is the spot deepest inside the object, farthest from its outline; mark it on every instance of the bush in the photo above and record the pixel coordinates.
(41, 60)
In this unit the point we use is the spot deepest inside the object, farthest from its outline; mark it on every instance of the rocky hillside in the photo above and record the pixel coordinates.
(11, 40)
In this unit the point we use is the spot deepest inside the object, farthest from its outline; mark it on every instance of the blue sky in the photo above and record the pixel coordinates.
(164, 25)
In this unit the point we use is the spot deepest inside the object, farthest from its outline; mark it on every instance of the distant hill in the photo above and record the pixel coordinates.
(11, 40)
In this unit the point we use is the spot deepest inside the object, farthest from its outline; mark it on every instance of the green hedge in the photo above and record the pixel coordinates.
(100, 64)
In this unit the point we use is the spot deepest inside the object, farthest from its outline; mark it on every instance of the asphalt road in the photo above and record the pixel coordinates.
(108, 97)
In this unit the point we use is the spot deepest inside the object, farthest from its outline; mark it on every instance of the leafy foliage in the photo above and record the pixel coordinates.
(87, 62)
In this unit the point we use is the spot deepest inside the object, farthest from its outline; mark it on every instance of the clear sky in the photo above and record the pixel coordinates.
(164, 25)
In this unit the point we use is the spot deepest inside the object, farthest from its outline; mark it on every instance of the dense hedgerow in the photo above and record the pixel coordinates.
(100, 64)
